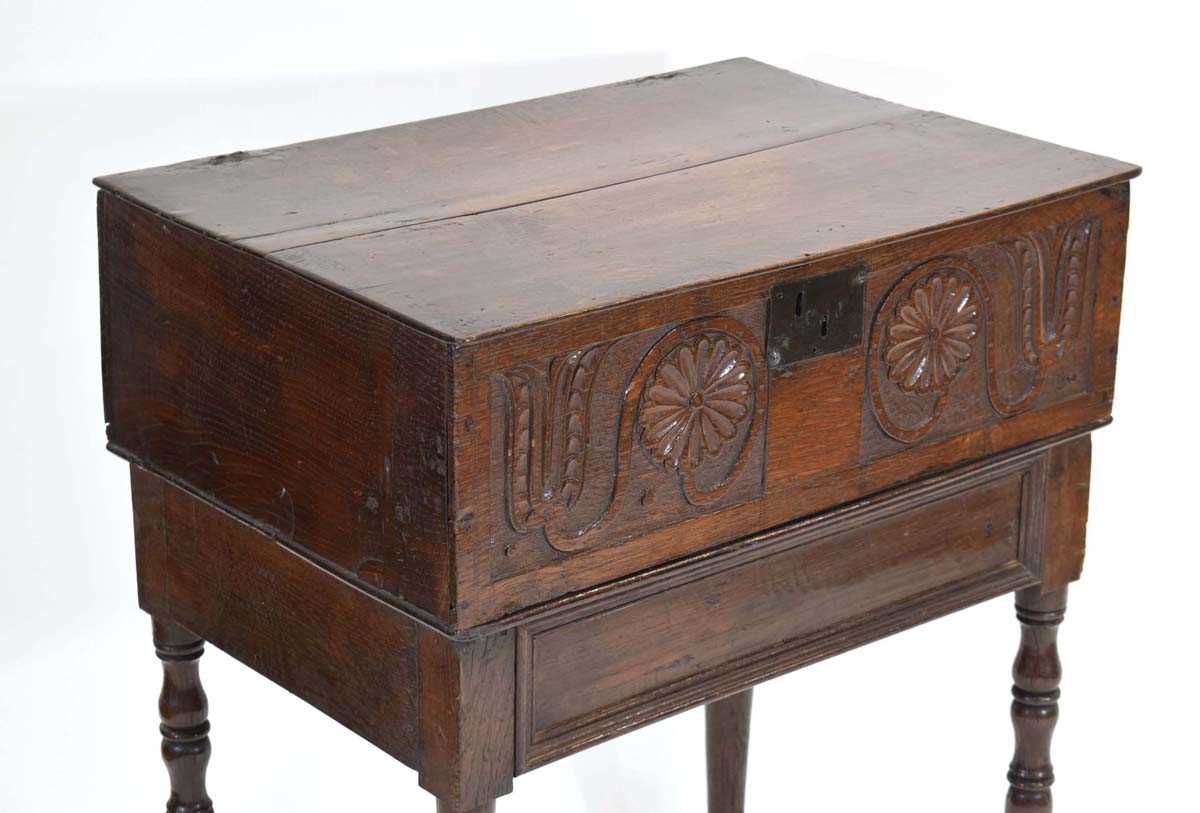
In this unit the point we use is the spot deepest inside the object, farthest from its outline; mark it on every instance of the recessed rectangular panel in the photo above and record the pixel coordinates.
(865, 573)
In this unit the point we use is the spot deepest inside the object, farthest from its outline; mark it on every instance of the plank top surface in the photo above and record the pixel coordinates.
(483, 222)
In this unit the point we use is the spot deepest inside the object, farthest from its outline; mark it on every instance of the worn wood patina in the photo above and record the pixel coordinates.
(539, 423)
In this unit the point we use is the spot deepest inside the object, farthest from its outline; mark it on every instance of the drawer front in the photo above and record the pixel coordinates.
(800, 594)
(593, 449)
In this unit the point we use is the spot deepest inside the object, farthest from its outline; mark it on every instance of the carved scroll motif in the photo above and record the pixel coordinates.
(942, 315)
(690, 406)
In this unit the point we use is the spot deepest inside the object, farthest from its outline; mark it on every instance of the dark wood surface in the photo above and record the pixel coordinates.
(825, 438)
(440, 705)
(1037, 672)
(468, 481)
(669, 640)
(1068, 487)
(183, 707)
(445, 706)
(466, 724)
(406, 476)
(668, 183)
(472, 432)
(727, 748)
(314, 417)
(498, 271)
(498, 157)
(289, 620)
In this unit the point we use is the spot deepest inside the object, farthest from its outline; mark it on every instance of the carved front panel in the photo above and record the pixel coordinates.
(968, 338)
(616, 438)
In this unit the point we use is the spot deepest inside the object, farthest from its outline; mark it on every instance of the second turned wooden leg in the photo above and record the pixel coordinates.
(728, 744)
(183, 707)
(1036, 675)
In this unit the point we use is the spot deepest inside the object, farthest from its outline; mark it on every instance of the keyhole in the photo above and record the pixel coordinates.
(824, 326)
(800, 304)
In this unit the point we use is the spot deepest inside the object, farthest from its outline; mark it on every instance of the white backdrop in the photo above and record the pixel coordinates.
(88, 88)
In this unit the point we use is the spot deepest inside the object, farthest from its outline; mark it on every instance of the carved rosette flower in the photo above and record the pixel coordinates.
(696, 402)
(931, 335)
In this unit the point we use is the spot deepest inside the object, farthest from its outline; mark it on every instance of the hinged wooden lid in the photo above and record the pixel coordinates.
(483, 222)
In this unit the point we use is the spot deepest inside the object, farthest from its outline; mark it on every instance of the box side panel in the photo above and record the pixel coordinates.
(332, 645)
(566, 471)
(315, 418)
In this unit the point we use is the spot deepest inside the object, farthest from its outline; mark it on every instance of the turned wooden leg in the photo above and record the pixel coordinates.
(447, 807)
(728, 738)
(183, 708)
(1036, 675)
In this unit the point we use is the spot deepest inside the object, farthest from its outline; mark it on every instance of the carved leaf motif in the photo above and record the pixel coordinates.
(520, 449)
(932, 334)
(575, 445)
(1030, 267)
(1071, 266)
(696, 402)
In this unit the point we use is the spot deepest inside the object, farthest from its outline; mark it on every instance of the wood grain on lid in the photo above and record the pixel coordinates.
(482, 222)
